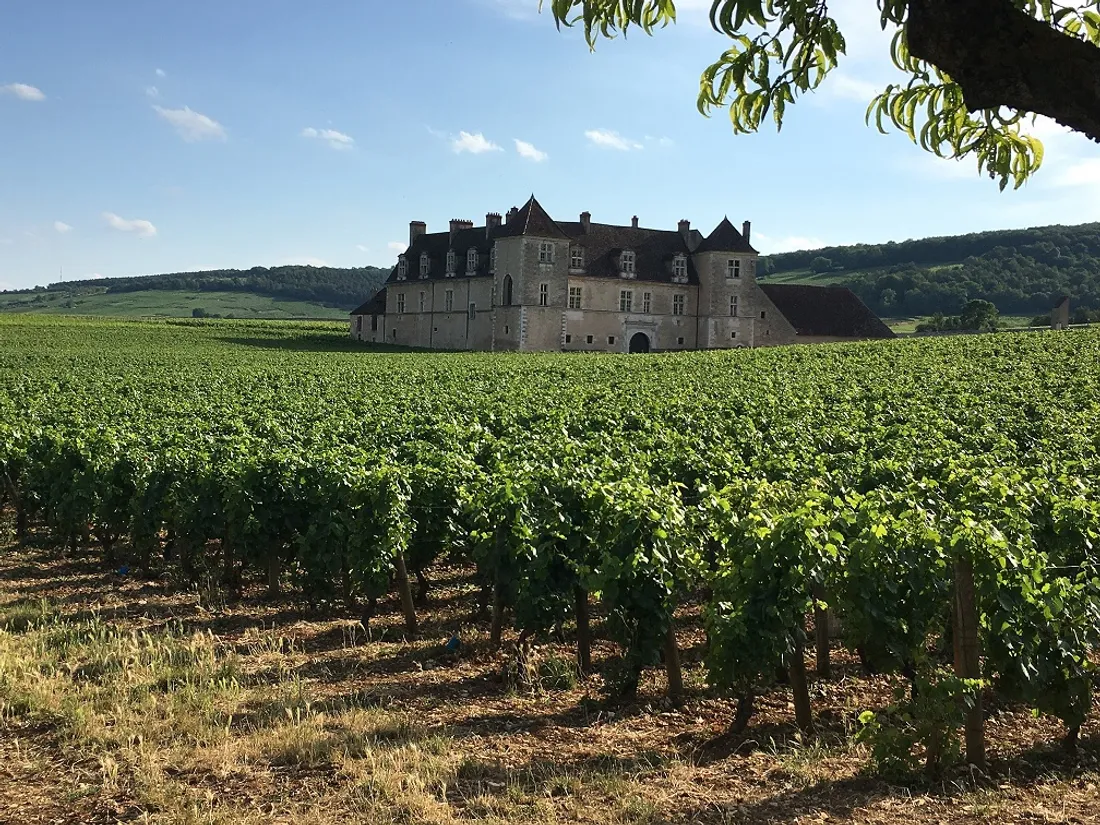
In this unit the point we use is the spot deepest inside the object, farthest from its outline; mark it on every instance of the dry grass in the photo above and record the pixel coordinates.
(124, 700)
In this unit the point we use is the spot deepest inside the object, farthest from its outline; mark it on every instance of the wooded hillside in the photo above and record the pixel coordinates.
(1021, 271)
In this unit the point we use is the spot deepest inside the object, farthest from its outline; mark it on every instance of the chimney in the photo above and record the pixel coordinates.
(511, 214)
(416, 229)
(458, 224)
(492, 221)
(685, 229)
(586, 222)
(634, 222)
(746, 227)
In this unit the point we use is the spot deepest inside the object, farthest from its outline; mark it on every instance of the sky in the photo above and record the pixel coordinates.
(148, 136)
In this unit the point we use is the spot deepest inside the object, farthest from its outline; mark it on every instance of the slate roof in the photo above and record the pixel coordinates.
(653, 250)
(725, 238)
(832, 311)
(437, 244)
(375, 306)
(531, 220)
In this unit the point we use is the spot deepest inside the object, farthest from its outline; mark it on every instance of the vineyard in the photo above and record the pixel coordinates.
(926, 509)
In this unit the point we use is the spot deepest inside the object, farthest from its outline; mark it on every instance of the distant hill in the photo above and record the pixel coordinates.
(1021, 271)
(278, 292)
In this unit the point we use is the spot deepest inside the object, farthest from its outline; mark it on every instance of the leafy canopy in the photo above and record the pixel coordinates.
(782, 49)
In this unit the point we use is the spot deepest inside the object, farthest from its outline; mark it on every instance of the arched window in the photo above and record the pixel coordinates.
(506, 291)
(425, 265)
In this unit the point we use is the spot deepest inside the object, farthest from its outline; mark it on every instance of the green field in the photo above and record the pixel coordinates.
(255, 572)
(165, 303)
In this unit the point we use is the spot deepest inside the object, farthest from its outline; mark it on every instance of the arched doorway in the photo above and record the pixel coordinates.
(639, 342)
(506, 291)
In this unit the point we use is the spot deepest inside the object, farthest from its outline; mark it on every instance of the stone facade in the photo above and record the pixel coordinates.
(532, 283)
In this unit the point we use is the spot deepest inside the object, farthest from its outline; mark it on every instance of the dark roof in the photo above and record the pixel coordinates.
(375, 306)
(653, 250)
(437, 244)
(531, 220)
(832, 311)
(725, 238)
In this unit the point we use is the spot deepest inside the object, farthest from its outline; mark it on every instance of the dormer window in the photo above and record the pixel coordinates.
(450, 262)
(680, 269)
(626, 263)
(576, 257)
(733, 268)
(402, 268)
(425, 265)
(471, 260)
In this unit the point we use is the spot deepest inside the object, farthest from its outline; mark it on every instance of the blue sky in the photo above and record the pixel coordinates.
(144, 136)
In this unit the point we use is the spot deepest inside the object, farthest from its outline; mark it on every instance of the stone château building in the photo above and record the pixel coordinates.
(529, 282)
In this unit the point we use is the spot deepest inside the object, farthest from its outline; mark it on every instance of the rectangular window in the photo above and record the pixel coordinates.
(677, 304)
(425, 265)
(400, 302)
(473, 311)
(588, 339)
(471, 259)
(423, 295)
(450, 261)
(733, 305)
(568, 339)
(544, 295)
(647, 302)
(576, 257)
(680, 341)
(574, 297)
(680, 268)
(359, 324)
(546, 253)
(626, 262)
(449, 300)
(733, 335)
(611, 339)
(626, 300)
(374, 323)
(762, 314)
(733, 268)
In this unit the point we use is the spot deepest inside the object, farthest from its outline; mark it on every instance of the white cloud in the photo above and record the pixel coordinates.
(337, 140)
(23, 91)
(191, 125)
(847, 87)
(1085, 172)
(62, 227)
(362, 248)
(611, 140)
(397, 246)
(475, 144)
(95, 276)
(528, 150)
(161, 73)
(152, 91)
(141, 228)
(791, 243)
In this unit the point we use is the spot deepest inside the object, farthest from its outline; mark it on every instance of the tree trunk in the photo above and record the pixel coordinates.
(496, 630)
(802, 710)
(821, 635)
(1002, 56)
(584, 638)
(672, 664)
(1070, 742)
(405, 591)
(968, 660)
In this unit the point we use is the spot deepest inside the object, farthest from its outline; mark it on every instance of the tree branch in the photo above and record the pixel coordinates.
(1001, 56)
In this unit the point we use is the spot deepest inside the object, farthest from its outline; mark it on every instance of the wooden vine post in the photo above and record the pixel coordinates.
(967, 658)
(803, 712)
(672, 663)
(584, 634)
(821, 633)
(407, 606)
